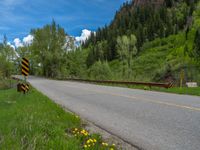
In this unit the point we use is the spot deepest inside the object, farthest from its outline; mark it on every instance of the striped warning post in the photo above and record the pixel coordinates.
(25, 67)
(24, 87)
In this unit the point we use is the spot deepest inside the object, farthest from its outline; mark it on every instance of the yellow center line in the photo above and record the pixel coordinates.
(143, 99)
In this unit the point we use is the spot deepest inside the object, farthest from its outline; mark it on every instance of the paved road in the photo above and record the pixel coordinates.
(150, 120)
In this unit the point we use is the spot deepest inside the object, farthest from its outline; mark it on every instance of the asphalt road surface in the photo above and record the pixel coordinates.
(149, 120)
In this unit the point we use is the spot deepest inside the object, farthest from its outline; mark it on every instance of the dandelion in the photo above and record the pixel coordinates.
(104, 144)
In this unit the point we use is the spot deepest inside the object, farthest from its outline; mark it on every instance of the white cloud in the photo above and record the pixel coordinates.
(28, 40)
(17, 55)
(11, 45)
(18, 43)
(84, 35)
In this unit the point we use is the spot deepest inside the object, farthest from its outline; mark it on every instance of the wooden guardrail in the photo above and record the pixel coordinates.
(15, 78)
(150, 84)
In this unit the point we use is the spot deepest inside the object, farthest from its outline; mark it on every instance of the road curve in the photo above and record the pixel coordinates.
(150, 120)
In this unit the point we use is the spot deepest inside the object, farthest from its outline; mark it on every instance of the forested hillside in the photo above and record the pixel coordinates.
(165, 35)
(146, 22)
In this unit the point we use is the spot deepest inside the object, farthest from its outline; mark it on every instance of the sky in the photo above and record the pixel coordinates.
(77, 17)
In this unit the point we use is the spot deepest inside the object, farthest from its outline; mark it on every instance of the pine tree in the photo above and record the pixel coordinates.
(169, 3)
(197, 45)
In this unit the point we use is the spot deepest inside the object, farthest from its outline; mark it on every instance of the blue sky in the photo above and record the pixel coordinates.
(17, 17)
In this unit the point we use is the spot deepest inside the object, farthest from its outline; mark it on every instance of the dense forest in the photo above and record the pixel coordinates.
(167, 27)
(145, 41)
(146, 22)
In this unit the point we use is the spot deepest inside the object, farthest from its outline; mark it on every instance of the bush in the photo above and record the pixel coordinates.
(5, 68)
(100, 71)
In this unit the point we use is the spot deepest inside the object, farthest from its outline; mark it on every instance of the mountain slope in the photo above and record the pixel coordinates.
(164, 58)
(167, 44)
(146, 22)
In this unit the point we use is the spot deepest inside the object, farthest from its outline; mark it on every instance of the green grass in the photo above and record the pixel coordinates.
(184, 90)
(176, 90)
(33, 121)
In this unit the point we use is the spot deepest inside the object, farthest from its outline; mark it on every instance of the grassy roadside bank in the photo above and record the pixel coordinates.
(33, 121)
(175, 90)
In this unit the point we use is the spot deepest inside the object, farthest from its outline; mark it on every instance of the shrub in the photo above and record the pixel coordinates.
(100, 71)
